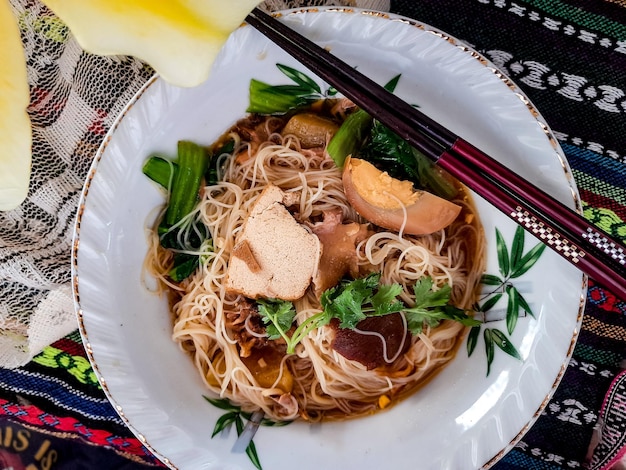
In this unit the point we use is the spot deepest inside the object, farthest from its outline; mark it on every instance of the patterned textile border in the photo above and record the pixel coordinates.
(613, 426)
(581, 91)
(61, 381)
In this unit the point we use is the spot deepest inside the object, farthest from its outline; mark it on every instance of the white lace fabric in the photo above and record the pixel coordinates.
(75, 97)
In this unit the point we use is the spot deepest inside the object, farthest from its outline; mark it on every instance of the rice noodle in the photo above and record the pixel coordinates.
(326, 385)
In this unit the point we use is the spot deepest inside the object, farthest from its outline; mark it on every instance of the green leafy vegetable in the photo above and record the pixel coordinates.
(349, 137)
(189, 237)
(390, 153)
(182, 178)
(187, 243)
(160, 170)
(192, 163)
(352, 301)
(278, 315)
(279, 99)
(276, 99)
(364, 137)
(353, 132)
(433, 178)
(184, 266)
(212, 174)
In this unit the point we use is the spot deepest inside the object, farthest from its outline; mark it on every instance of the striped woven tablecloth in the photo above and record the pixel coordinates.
(569, 57)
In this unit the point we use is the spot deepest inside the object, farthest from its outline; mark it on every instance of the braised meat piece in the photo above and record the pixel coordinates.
(370, 349)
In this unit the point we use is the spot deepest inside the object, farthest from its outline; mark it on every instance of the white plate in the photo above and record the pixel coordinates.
(461, 419)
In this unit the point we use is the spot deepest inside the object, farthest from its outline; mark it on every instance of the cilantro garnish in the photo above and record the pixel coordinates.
(431, 307)
(353, 301)
(278, 315)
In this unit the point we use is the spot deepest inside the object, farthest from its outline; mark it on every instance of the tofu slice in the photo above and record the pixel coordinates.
(274, 256)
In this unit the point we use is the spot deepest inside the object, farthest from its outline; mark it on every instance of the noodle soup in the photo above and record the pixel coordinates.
(295, 303)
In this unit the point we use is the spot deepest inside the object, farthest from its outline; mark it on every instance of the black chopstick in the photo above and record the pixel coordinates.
(590, 249)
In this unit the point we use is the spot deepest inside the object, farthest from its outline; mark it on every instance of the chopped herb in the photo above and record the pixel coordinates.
(278, 315)
(353, 301)
(432, 306)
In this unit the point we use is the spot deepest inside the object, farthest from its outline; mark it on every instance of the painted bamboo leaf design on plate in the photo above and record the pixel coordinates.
(235, 415)
(513, 263)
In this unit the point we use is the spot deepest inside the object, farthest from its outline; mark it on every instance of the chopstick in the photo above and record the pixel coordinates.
(587, 247)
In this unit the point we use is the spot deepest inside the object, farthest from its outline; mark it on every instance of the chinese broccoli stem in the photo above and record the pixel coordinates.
(160, 170)
(433, 178)
(352, 133)
(192, 164)
(269, 99)
(350, 136)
